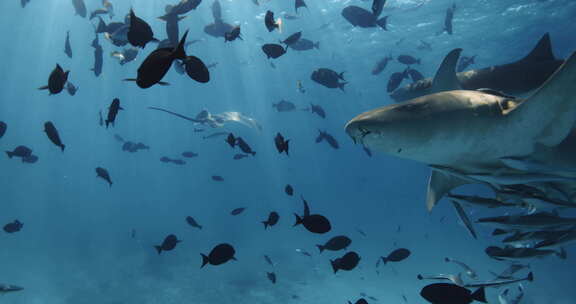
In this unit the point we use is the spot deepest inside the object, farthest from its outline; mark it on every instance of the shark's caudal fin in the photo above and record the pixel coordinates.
(439, 184)
(542, 51)
(445, 78)
(550, 113)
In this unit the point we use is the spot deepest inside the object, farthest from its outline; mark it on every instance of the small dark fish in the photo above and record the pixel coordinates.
(189, 154)
(347, 262)
(98, 57)
(282, 145)
(408, 60)
(233, 34)
(183, 7)
(440, 293)
(13, 227)
(140, 33)
(465, 62)
(270, 23)
(268, 260)
(126, 55)
(53, 135)
(103, 174)
(196, 69)
(79, 7)
(395, 80)
(289, 190)
(361, 232)
(336, 243)
(231, 140)
(273, 50)
(56, 80)
(168, 244)
(244, 146)
(217, 178)
(67, 47)
(415, 75)
(113, 111)
(239, 156)
(20, 151)
(397, 255)
(360, 301)
(448, 19)
(165, 159)
(323, 135)
(328, 78)
(71, 88)
(292, 38)
(318, 110)
(3, 127)
(377, 6)
(30, 159)
(304, 45)
(221, 254)
(272, 277)
(172, 27)
(367, 150)
(192, 222)
(237, 211)
(360, 17)
(284, 106)
(314, 223)
(381, 65)
(298, 4)
(272, 220)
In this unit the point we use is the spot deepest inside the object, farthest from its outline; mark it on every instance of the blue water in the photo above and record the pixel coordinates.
(76, 244)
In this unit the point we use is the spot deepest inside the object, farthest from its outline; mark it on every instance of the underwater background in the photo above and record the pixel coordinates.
(85, 242)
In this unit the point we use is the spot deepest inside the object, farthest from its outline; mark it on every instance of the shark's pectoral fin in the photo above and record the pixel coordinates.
(445, 78)
(439, 184)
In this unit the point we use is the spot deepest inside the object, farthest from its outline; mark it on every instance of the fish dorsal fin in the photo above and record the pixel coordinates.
(439, 184)
(542, 51)
(445, 78)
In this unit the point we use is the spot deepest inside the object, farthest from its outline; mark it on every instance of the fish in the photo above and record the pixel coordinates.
(328, 78)
(165, 159)
(196, 69)
(79, 8)
(440, 293)
(292, 39)
(504, 299)
(272, 220)
(397, 255)
(289, 190)
(20, 151)
(509, 272)
(304, 252)
(304, 44)
(217, 178)
(284, 106)
(395, 80)
(539, 220)
(465, 62)
(53, 135)
(335, 243)
(513, 253)
(455, 279)
(192, 222)
(497, 284)
(298, 4)
(13, 227)
(270, 23)
(98, 57)
(183, 7)
(377, 7)
(478, 201)
(318, 110)
(268, 260)
(237, 211)
(272, 277)
(347, 262)
(67, 47)
(140, 32)
(96, 12)
(381, 64)
(172, 27)
(71, 88)
(218, 29)
(273, 50)
(219, 255)
(244, 146)
(314, 223)
(189, 154)
(239, 156)
(103, 174)
(441, 117)
(415, 75)
(233, 34)
(168, 244)
(536, 68)
(448, 28)
(157, 64)
(360, 17)
(359, 301)
(464, 218)
(281, 143)
(231, 140)
(3, 128)
(467, 270)
(113, 110)
(56, 80)
(407, 60)
(5, 288)
(324, 136)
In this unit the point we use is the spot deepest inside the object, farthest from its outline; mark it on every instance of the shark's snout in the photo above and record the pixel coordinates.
(358, 128)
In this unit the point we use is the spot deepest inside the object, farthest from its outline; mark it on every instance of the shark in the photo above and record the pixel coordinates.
(516, 78)
(472, 131)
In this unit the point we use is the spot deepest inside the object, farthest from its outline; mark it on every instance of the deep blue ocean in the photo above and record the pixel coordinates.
(84, 242)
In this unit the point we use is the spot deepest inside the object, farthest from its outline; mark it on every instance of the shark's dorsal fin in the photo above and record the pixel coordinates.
(439, 184)
(542, 51)
(445, 78)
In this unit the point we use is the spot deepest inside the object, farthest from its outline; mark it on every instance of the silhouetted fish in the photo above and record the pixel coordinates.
(325, 136)
(408, 60)
(318, 110)
(168, 244)
(3, 127)
(415, 75)
(196, 69)
(450, 293)
(358, 16)
(282, 145)
(71, 88)
(140, 33)
(298, 4)
(377, 6)
(284, 106)
(53, 135)
(67, 47)
(13, 227)
(244, 146)
(289, 190)
(233, 34)
(397, 255)
(192, 222)
(270, 23)
(328, 78)
(304, 45)
(292, 38)
(217, 178)
(113, 111)
(103, 174)
(237, 211)
(221, 254)
(347, 262)
(272, 277)
(268, 260)
(56, 80)
(126, 55)
(189, 154)
(381, 65)
(98, 57)
(172, 27)
(79, 7)
(272, 220)
(20, 151)
(336, 243)
(273, 50)
(396, 80)
(448, 19)
(239, 156)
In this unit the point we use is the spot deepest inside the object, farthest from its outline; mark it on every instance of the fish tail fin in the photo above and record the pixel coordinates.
(253, 153)
(265, 224)
(200, 227)
(43, 88)
(341, 86)
(447, 260)
(101, 28)
(530, 277)
(158, 249)
(334, 266)
(383, 22)
(298, 218)
(62, 147)
(179, 52)
(320, 247)
(205, 260)
(10, 154)
(317, 45)
(479, 295)
(384, 260)
(420, 277)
